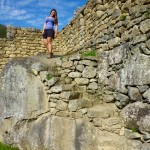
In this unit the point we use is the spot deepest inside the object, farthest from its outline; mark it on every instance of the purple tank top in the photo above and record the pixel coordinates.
(49, 22)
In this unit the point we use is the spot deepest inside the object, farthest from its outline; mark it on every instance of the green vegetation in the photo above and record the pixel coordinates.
(147, 14)
(91, 53)
(49, 76)
(134, 130)
(6, 147)
(3, 31)
(122, 17)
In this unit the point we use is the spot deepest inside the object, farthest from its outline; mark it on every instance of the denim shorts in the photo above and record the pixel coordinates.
(48, 33)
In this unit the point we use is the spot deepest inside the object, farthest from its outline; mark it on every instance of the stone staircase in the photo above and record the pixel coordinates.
(67, 98)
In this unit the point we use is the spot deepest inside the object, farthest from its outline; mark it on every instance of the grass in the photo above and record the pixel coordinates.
(3, 31)
(147, 14)
(6, 147)
(91, 53)
(122, 17)
(134, 130)
(48, 76)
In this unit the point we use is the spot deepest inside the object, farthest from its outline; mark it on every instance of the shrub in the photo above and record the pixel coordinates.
(134, 130)
(3, 31)
(48, 76)
(91, 53)
(147, 14)
(122, 17)
(6, 147)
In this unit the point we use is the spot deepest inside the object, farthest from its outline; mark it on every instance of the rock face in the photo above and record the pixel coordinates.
(41, 110)
(137, 116)
(22, 95)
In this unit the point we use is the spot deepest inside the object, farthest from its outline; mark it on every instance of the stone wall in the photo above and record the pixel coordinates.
(43, 100)
(20, 42)
(99, 25)
(58, 104)
(106, 24)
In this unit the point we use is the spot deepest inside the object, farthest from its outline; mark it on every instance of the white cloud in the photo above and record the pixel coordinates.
(9, 12)
(25, 2)
(33, 12)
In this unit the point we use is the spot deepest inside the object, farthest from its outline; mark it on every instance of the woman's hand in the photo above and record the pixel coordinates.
(42, 32)
(55, 35)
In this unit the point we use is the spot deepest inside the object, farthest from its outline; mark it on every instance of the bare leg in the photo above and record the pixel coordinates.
(45, 43)
(49, 44)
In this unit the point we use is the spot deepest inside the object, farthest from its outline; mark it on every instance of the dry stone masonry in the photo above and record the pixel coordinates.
(20, 42)
(75, 102)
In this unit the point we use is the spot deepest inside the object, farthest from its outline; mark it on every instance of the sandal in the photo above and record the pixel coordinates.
(50, 55)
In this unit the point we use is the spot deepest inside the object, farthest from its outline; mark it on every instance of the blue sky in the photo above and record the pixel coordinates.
(32, 13)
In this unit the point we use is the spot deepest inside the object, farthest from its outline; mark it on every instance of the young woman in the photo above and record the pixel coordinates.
(50, 29)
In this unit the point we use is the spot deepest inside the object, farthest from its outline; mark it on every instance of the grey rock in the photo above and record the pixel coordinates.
(88, 63)
(92, 86)
(61, 105)
(75, 57)
(145, 146)
(117, 55)
(56, 89)
(89, 72)
(148, 44)
(102, 111)
(146, 94)
(38, 66)
(54, 96)
(52, 81)
(67, 64)
(132, 134)
(114, 42)
(78, 104)
(134, 94)
(82, 81)
(132, 74)
(70, 95)
(62, 113)
(74, 75)
(23, 95)
(43, 75)
(75, 115)
(123, 99)
(143, 88)
(144, 25)
(80, 67)
(108, 98)
(139, 39)
(137, 116)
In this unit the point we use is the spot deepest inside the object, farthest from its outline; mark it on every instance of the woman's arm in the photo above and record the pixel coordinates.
(44, 27)
(56, 29)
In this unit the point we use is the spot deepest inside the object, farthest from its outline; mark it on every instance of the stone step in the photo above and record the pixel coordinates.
(77, 104)
(70, 95)
(102, 111)
(62, 87)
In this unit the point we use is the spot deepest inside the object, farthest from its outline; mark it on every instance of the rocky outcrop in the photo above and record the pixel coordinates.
(57, 104)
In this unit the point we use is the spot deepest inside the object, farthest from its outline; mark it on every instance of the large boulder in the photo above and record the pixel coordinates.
(135, 72)
(22, 94)
(137, 117)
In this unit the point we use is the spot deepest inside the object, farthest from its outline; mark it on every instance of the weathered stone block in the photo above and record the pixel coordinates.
(57, 89)
(89, 72)
(134, 94)
(61, 105)
(82, 81)
(74, 75)
(145, 26)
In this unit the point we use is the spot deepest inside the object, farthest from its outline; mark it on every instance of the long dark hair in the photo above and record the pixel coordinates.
(55, 18)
